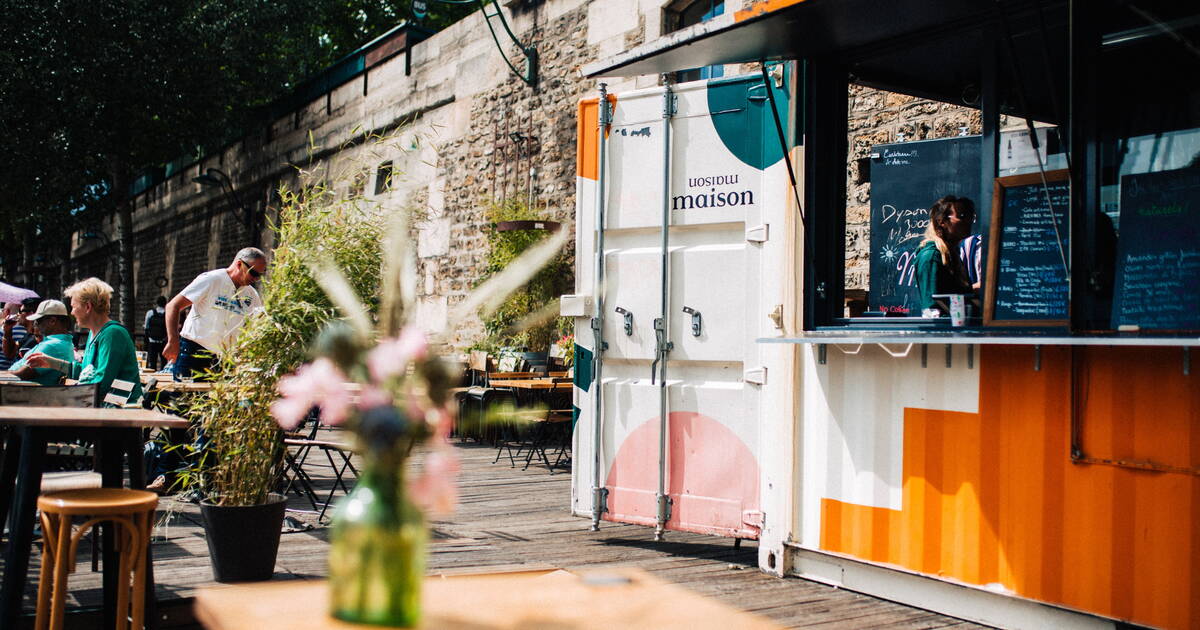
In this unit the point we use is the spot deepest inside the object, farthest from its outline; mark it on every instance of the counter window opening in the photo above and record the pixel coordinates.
(1107, 242)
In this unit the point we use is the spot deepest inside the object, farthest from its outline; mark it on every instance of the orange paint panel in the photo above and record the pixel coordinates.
(995, 497)
(761, 7)
(587, 149)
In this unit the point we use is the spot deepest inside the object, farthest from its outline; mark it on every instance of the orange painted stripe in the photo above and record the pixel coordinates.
(587, 150)
(761, 7)
(994, 497)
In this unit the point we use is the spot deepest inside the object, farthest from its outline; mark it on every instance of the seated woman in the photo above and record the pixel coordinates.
(939, 269)
(109, 353)
(55, 327)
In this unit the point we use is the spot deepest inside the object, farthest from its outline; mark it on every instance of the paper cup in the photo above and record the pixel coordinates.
(958, 311)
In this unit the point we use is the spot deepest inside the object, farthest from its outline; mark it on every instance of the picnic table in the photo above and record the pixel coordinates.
(618, 598)
(117, 433)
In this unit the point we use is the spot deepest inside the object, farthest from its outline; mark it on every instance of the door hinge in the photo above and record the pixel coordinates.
(754, 518)
(757, 376)
(759, 233)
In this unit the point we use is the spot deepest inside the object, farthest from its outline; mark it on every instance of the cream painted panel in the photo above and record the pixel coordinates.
(854, 420)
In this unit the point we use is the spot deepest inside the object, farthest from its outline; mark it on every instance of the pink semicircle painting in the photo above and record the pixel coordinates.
(712, 478)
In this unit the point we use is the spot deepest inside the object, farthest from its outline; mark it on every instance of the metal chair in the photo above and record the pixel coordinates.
(293, 466)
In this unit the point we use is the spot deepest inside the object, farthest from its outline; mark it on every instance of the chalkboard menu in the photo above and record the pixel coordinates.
(906, 178)
(1026, 274)
(1158, 253)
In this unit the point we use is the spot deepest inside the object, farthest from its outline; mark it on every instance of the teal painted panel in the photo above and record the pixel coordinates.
(741, 114)
(583, 367)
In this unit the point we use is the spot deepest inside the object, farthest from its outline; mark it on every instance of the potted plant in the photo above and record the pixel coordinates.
(243, 445)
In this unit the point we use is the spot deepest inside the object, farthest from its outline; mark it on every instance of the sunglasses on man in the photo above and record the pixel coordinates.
(254, 273)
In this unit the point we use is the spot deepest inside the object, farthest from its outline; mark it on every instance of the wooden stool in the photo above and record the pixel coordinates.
(131, 511)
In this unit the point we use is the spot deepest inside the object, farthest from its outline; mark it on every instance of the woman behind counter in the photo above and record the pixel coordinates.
(109, 353)
(939, 269)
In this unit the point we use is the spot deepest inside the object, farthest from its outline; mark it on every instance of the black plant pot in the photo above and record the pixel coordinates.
(243, 541)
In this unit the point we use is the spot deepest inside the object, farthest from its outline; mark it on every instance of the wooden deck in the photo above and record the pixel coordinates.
(510, 519)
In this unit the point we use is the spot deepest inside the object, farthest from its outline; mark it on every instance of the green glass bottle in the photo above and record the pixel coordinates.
(377, 552)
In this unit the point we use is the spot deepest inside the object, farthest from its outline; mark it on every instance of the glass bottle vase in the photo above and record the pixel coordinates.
(377, 553)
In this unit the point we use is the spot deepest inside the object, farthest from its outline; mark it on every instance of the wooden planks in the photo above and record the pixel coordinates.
(513, 520)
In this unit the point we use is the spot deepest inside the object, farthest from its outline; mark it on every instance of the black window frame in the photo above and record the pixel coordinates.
(823, 117)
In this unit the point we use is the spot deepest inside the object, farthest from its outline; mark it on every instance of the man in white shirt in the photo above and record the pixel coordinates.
(220, 300)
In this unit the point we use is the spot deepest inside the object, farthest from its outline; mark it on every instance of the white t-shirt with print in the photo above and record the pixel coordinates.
(218, 309)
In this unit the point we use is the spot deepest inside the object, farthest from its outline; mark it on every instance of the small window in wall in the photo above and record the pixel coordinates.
(383, 178)
(681, 14)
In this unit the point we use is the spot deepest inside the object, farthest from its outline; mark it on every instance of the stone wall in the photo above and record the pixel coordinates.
(470, 132)
(457, 106)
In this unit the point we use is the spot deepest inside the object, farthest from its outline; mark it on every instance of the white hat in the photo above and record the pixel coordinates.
(48, 307)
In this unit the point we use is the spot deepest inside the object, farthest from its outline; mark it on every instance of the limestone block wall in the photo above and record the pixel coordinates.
(472, 133)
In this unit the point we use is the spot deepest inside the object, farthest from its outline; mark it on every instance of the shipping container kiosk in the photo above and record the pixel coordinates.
(1037, 467)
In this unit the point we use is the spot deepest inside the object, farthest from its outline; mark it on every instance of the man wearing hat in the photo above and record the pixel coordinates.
(55, 325)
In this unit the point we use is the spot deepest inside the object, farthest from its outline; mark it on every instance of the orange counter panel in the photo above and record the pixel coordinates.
(994, 498)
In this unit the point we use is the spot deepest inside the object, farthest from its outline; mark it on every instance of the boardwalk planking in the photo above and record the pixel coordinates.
(511, 520)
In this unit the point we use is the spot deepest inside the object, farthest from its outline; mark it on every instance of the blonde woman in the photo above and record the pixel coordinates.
(109, 353)
(939, 269)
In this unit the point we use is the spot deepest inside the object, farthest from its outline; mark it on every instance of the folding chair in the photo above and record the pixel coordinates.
(294, 462)
(120, 394)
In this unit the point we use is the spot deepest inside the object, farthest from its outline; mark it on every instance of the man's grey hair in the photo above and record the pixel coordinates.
(250, 254)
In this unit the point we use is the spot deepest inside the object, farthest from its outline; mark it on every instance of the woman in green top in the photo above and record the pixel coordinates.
(55, 326)
(109, 353)
(939, 269)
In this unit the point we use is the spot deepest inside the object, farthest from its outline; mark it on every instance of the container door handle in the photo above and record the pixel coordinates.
(697, 321)
(628, 321)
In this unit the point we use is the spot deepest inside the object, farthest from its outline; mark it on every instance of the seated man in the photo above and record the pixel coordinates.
(51, 317)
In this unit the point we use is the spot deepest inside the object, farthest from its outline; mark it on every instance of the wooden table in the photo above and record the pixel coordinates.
(532, 383)
(183, 386)
(621, 598)
(117, 434)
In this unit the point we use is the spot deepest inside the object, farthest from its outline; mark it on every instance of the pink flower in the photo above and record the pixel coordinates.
(442, 421)
(318, 383)
(436, 489)
(373, 397)
(391, 356)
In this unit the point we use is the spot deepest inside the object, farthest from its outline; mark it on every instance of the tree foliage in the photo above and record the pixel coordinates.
(94, 91)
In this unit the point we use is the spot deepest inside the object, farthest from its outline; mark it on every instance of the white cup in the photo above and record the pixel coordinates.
(958, 310)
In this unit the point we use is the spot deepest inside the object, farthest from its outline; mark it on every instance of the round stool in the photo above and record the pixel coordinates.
(132, 513)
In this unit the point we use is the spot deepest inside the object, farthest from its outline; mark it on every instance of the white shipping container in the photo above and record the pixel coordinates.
(692, 178)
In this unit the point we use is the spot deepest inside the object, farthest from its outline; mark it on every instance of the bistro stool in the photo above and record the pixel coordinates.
(131, 511)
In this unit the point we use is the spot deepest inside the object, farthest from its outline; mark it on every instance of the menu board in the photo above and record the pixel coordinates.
(1158, 253)
(1026, 275)
(906, 178)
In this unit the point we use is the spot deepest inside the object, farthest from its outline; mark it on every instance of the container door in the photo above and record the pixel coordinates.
(721, 144)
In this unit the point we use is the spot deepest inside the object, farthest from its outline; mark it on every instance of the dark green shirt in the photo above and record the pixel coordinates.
(934, 277)
(110, 355)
